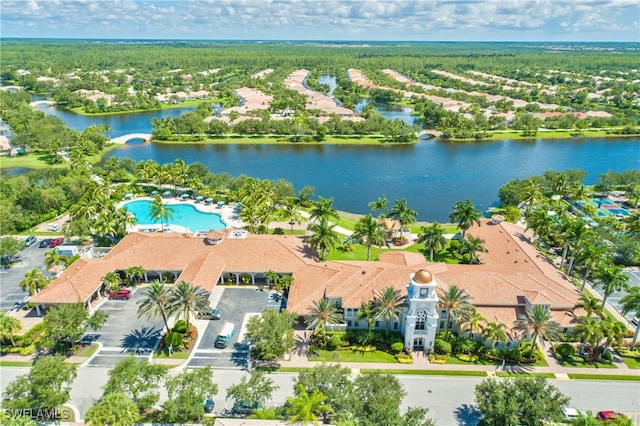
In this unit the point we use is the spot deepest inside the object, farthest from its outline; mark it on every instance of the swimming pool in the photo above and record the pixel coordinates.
(182, 214)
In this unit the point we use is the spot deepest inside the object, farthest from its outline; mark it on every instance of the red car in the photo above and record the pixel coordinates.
(56, 242)
(610, 416)
(120, 294)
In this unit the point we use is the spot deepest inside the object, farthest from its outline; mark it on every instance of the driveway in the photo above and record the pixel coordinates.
(10, 294)
(124, 332)
(237, 304)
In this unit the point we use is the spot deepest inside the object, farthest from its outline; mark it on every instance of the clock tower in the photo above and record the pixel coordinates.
(421, 320)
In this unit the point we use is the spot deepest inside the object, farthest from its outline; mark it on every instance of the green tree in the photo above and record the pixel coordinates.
(380, 205)
(610, 278)
(290, 213)
(186, 392)
(133, 274)
(369, 232)
(138, 380)
(590, 304)
(112, 280)
(158, 210)
(306, 407)
(533, 194)
(9, 246)
(433, 238)
(520, 401)
(322, 314)
(465, 215)
(474, 320)
(493, 333)
(537, 323)
(387, 305)
(188, 299)
(472, 245)
(155, 302)
(380, 396)
(334, 382)
(65, 324)
(630, 302)
(9, 326)
(456, 303)
(254, 390)
(115, 409)
(589, 330)
(271, 334)
(403, 214)
(366, 313)
(33, 281)
(323, 210)
(324, 238)
(45, 387)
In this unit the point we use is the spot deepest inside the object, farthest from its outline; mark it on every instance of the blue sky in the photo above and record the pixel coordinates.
(420, 20)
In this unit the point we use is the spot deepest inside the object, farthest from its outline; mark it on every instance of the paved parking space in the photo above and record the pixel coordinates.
(10, 294)
(237, 304)
(124, 332)
(614, 298)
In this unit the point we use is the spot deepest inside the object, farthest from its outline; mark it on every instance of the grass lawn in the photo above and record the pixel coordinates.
(481, 361)
(41, 160)
(282, 139)
(578, 362)
(582, 376)
(525, 374)
(631, 362)
(86, 351)
(175, 355)
(80, 110)
(348, 355)
(15, 364)
(425, 372)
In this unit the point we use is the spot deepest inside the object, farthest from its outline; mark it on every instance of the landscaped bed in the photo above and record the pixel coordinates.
(350, 355)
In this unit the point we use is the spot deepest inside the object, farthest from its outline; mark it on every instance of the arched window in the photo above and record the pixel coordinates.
(422, 318)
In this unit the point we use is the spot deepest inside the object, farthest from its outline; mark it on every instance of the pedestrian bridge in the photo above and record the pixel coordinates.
(42, 103)
(10, 88)
(126, 138)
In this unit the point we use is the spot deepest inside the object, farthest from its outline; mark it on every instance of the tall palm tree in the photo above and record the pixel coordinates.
(323, 209)
(590, 304)
(124, 219)
(403, 214)
(539, 221)
(305, 407)
(593, 252)
(53, 257)
(589, 330)
(158, 210)
(610, 278)
(433, 238)
(322, 314)
(465, 215)
(456, 303)
(369, 232)
(134, 274)
(155, 302)
(365, 313)
(324, 237)
(537, 323)
(34, 281)
(290, 213)
(532, 194)
(473, 245)
(387, 305)
(494, 333)
(9, 326)
(474, 320)
(577, 233)
(187, 298)
(630, 302)
(614, 332)
(380, 205)
(633, 223)
(112, 280)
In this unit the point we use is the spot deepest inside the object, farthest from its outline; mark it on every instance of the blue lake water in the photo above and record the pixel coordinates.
(182, 214)
(432, 175)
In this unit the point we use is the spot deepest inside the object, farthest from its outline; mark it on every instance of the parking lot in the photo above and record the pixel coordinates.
(10, 294)
(124, 332)
(237, 305)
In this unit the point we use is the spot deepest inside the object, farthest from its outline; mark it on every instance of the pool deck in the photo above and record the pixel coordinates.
(228, 213)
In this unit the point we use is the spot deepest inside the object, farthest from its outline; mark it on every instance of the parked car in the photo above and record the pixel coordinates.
(30, 240)
(53, 227)
(45, 243)
(208, 405)
(245, 408)
(610, 416)
(56, 242)
(120, 294)
(213, 314)
(570, 413)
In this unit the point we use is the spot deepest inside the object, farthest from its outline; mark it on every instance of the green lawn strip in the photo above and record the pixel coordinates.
(174, 355)
(186, 104)
(631, 362)
(582, 376)
(524, 373)
(424, 372)
(455, 361)
(583, 364)
(87, 351)
(348, 355)
(283, 369)
(278, 139)
(16, 364)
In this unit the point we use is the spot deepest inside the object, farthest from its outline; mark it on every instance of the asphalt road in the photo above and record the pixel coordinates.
(450, 400)
(10, 294)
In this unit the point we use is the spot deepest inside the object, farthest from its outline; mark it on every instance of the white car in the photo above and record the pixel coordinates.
(54, 227)
(571, 413)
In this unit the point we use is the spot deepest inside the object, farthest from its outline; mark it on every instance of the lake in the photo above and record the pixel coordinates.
(432, 175)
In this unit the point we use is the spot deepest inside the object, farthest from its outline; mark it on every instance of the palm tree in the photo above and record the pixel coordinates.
(365, 313)
(387, 305)
(369, 232)
(630, 302)
(611, 278)
(539, 221)
(537, 323)
(321, 314)
(494, 333)
(590, 304)
(465, 215)
(34, 281)
(614, 331)
(324, 237)
(155, 302)
(323, 209)
(290, 213)
(577, 233)
(134, 273)
(53, 257)
(187, 298)
(589, 330)
(474, 320)
(158, 210)
(592, 253)
(9, 326)
(473, 245)
(433, 238)
(111, 280)
(380, 205)
(456, 303)
(305, 408)
(532, 194)
(403, 214)
(124, 219)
